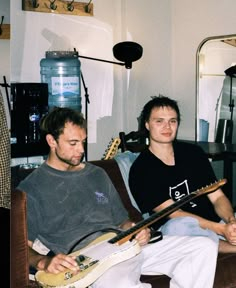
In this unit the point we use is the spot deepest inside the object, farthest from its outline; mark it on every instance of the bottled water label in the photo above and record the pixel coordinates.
(66, 86)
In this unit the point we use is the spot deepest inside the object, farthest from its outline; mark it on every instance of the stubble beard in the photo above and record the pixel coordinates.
(68, 161)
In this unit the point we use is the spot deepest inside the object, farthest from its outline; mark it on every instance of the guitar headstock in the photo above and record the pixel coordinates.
(212, 187)
(112, 148)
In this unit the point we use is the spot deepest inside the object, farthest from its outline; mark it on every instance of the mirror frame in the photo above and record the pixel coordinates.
(222, 37)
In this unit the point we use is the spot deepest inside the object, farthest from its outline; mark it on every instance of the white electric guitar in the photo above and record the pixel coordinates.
(110, 249)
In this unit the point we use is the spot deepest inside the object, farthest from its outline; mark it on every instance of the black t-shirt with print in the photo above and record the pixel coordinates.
(152, 182)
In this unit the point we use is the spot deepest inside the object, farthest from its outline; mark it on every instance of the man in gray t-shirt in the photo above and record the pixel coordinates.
(78, 203)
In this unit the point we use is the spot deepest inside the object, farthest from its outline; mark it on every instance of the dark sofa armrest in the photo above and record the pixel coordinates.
(19, 241)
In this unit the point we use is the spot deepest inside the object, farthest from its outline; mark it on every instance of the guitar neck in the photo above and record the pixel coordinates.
(126, 235)
(112, 149)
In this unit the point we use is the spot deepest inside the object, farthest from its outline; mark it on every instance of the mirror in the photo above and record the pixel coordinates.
(216, 90)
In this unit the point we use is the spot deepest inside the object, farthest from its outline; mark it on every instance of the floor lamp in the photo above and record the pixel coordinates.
(126, 52)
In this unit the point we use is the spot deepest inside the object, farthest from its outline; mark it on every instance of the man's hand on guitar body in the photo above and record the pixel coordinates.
(58, 263)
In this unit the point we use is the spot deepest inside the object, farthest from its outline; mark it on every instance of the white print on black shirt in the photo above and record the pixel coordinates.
(178, 192)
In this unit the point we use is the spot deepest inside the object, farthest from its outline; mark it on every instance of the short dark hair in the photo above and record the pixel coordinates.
(54, 122)
(156, 102)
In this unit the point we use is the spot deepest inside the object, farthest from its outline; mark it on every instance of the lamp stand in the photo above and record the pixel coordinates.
(87, 101)
(127, 52)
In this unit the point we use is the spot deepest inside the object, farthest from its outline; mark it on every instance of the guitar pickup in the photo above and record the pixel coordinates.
(83, 262)
(79, 259)
(83, 267)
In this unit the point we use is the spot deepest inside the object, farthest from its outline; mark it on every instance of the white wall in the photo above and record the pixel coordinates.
(35, 33)
(169, 31)
(193, 21)
(116, 94)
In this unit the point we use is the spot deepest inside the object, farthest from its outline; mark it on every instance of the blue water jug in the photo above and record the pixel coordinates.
(61, 71)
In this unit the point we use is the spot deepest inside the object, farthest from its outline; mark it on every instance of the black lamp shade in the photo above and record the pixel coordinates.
(128, 52)
(231, 71)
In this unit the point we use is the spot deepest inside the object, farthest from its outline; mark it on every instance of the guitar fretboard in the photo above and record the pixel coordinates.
(127, 234)
(154, 217)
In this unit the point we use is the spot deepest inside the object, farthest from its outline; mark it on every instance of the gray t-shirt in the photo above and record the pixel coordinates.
(64, 206)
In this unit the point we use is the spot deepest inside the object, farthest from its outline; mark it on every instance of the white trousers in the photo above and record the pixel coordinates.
(190, 262)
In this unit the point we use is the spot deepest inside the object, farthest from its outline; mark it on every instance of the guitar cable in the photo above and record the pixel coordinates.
(155, 236)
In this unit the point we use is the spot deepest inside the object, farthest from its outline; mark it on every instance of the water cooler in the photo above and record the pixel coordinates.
(61, 71)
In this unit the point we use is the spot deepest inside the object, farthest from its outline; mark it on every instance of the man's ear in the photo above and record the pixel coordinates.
(51, 141)
(147, 125)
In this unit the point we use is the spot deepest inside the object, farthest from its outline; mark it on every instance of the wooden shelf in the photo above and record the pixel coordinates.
(5, 31)
(59, 7)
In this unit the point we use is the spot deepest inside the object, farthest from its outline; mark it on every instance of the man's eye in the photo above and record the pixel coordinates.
(72, 143)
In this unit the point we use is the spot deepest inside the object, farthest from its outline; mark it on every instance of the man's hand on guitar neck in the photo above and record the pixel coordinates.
(143, 237)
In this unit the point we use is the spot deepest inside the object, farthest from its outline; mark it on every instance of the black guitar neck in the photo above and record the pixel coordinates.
(166, 211)
(153, 218)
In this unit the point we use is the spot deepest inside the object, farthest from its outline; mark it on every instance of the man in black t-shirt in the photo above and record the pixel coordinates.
(169, 169)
